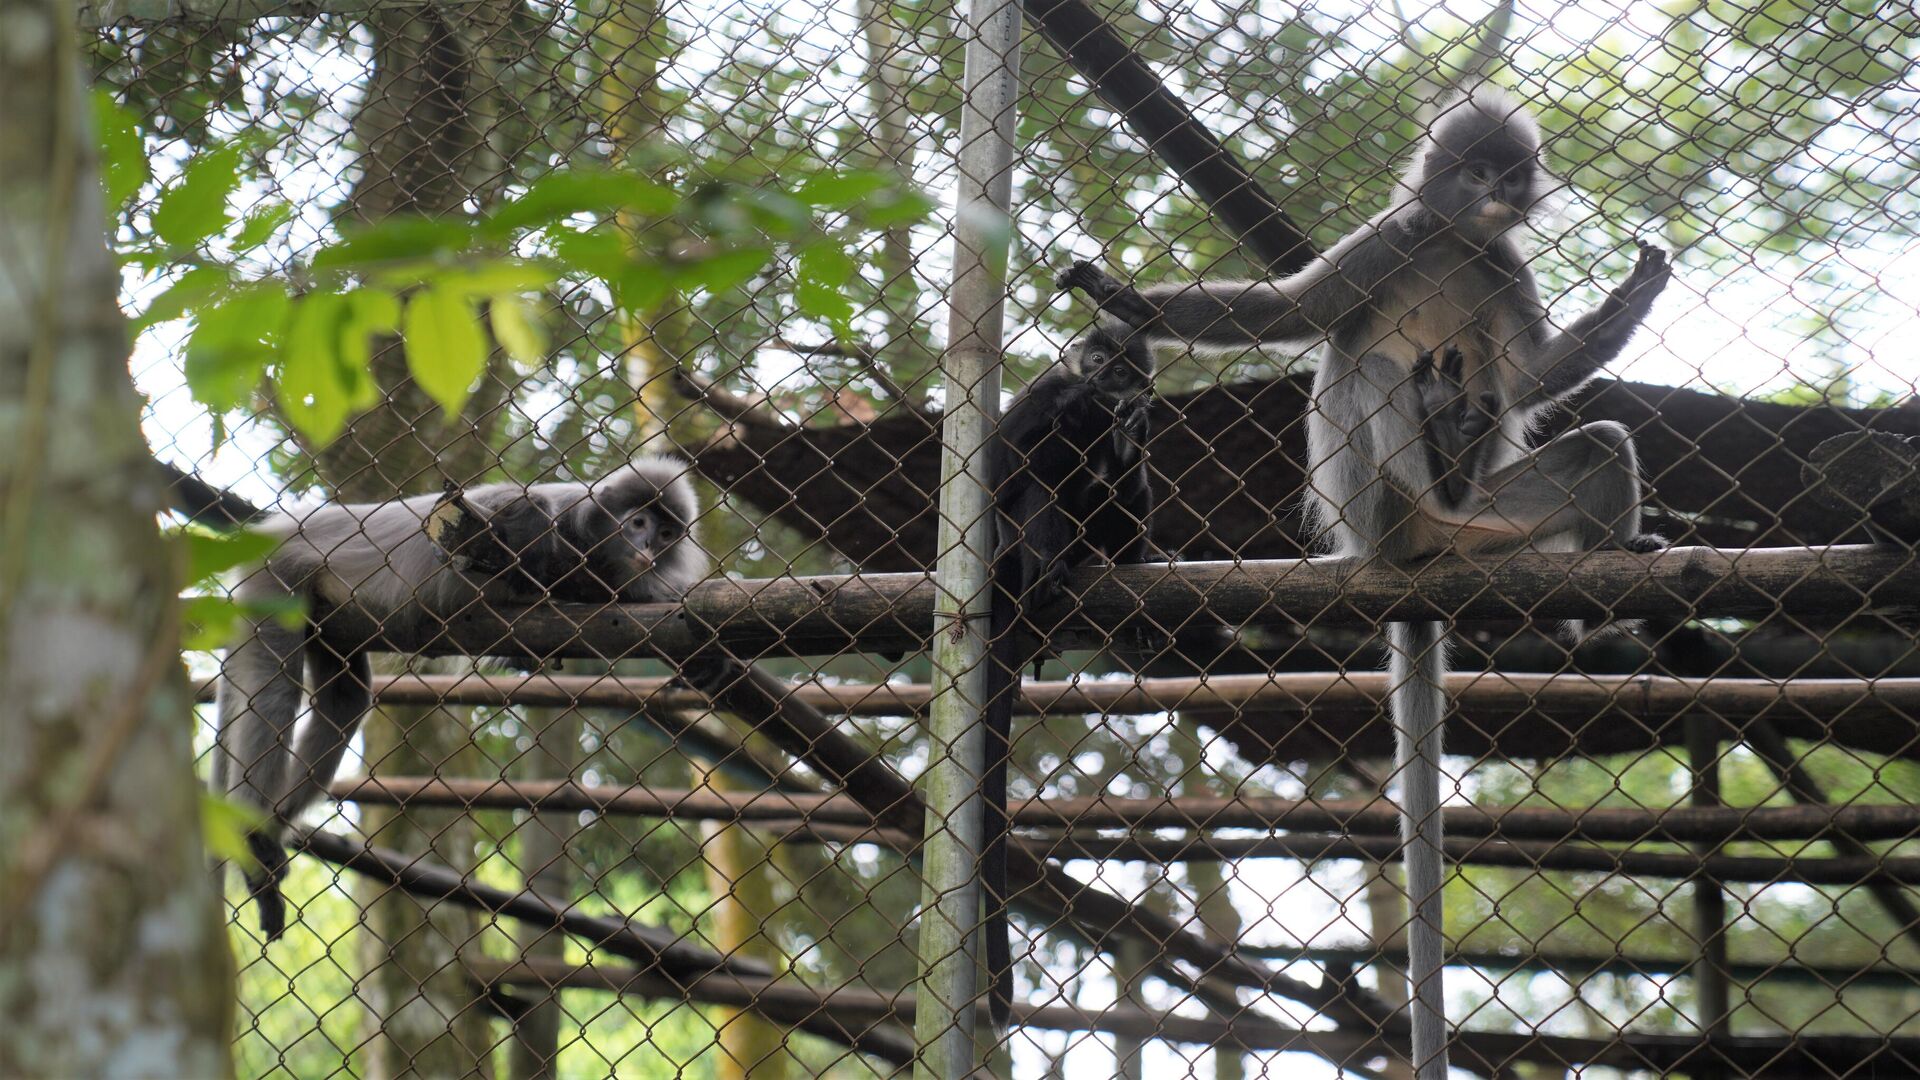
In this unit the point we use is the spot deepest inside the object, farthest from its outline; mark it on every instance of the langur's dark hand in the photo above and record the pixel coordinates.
(1116, 298)
(1650, 275)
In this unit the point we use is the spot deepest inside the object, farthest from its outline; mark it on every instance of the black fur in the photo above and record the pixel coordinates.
(1068, 468)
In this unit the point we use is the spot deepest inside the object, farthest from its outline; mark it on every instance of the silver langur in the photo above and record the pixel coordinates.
(1439, 361)
(411, 564)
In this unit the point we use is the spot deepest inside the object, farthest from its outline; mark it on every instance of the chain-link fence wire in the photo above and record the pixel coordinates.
(1680, 850)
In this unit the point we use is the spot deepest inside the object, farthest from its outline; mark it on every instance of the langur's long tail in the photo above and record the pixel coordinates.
(1005, 662)
(1418, 699)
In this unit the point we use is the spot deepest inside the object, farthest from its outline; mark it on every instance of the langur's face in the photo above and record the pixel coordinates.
(622, 531)
(1480, 178)
(1108, 363)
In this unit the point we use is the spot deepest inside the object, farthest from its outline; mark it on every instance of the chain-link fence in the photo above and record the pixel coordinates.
(743, 835)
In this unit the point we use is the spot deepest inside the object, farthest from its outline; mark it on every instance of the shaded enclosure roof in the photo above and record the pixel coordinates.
(1226, 468)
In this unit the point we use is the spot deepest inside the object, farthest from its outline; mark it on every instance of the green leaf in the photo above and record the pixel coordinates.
(600, 252)
(395, 240)
(727, 270)
(840, 191)
(558, 196)
(902, 206)
(445, 349)
(194, 210)
(496, 276)
(232, 344)
(314, 391)
(260, 225)
(640, 287)
(225, 824)
(209, 553)
(123, 150)
(825, 268)
(193, 289)
(207, 622)
(523, 338)
(370, 313)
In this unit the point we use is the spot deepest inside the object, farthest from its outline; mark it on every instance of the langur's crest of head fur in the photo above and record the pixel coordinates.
(1478, 168)
(664, 484)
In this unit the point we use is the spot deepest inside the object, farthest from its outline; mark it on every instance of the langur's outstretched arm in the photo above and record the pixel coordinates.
(1563, 362)
(1301, 308)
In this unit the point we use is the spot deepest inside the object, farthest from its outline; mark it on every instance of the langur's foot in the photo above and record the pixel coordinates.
(1646, 543)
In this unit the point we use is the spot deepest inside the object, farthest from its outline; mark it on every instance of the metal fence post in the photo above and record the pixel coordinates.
(950, 908)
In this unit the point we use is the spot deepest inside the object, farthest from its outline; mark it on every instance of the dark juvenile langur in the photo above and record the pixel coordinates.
(412, 564)
(1409, 456)
(1069, 479)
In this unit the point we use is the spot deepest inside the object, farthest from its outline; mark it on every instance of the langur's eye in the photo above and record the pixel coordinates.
(1480, 173)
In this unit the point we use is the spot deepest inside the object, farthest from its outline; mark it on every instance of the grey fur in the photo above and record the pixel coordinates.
(1439, 268)
(380, 556)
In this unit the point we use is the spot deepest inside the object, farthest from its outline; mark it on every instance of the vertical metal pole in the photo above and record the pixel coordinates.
(950, 866)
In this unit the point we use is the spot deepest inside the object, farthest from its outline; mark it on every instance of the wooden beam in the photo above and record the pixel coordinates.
(96, 14)
(1715, 824)
(1840, 872)
(1488, 696)
(1578, 966)
(878, 612)
(1774, 1055)
(1248, 1030)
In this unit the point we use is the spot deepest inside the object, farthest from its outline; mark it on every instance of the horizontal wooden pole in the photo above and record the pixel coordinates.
(1311, 714)
(1484, 695)
(1839, 871)
(97, 14)
(1678, 824)
(1579, 966)
(1775, 1055)
(806, 616)
(1248, 1030)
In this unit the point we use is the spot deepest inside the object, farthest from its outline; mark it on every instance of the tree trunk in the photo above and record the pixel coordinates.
(113, 960)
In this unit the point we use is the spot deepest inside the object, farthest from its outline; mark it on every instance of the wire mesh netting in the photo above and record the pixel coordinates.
(648, 839)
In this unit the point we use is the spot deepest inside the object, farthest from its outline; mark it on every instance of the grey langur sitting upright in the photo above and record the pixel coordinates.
(412, 564)
(1439, 359)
